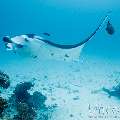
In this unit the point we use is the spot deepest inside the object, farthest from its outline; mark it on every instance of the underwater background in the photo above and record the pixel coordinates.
(74, 89)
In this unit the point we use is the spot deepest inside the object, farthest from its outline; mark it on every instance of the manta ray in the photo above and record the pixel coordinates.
(34, 45)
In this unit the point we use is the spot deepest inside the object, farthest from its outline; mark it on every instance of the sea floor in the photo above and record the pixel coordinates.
(74, 87)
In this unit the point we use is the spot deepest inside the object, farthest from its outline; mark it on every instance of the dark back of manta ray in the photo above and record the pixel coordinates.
(110, 29)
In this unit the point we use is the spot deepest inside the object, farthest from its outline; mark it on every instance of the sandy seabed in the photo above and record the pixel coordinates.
(74, 86)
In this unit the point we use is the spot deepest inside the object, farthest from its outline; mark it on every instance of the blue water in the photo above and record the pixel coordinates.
(68, 22)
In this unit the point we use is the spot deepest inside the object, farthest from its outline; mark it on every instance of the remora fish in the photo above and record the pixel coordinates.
(31, 44)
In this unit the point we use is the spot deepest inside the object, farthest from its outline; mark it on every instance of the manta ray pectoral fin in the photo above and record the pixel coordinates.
(47, 51)
(76, 52)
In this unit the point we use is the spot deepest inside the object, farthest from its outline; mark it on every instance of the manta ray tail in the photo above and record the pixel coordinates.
(78, 44)
(56, 51)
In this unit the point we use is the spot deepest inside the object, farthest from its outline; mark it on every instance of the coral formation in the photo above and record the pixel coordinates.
(37, 100)
(24, 106)
(4, 80)
(26, 103)
(24, 112)
(20, 93)
(3, 105)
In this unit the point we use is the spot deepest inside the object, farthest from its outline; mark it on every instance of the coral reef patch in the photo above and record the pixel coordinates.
(4, 80)
(24, 112)
(24, 106)
(3, 105)
(20, 93)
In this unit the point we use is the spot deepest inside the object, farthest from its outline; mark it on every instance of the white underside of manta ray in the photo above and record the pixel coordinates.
(33, 45)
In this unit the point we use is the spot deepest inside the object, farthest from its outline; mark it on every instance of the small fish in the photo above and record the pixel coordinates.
(31, 35)
(110, 29)
(47, 34)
